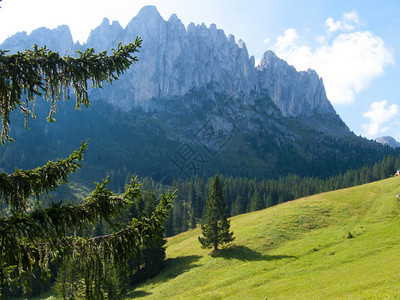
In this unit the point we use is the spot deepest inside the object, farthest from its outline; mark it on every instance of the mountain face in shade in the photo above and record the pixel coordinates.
(197, 86)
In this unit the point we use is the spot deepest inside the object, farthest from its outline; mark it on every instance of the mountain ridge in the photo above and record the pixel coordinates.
(388, 140)
(195, 88)
(175, 59)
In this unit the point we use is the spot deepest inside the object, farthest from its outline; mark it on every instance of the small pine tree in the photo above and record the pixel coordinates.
(216, 227)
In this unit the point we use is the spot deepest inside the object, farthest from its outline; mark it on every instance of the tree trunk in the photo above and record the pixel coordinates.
(215, 248)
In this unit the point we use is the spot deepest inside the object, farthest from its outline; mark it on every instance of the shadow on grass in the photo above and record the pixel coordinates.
(177, 266)
(246, 254)
(173, 267)
(137, 294)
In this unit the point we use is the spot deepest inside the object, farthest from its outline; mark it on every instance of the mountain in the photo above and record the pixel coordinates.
(294, 93)
(388, 140)
(58, 39)
(194, 104)
(175, 60)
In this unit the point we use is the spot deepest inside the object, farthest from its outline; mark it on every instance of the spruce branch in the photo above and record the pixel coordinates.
(16, 188)
(38, 238)
(42, 72)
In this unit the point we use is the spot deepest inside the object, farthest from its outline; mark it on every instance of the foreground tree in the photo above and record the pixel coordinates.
(216, 224)
(32, 237)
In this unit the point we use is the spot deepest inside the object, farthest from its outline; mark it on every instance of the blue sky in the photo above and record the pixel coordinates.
(353, 45)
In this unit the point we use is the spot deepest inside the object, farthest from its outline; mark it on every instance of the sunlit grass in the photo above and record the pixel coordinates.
(343, 244)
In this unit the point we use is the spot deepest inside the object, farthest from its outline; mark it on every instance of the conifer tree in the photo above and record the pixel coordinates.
(216, 227)
(256, 202)
(237, 208)
(32, 237)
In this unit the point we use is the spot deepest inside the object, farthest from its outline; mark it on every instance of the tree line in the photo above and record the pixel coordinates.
(245, 195)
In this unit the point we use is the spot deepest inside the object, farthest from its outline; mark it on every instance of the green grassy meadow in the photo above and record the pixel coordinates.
(338, 245)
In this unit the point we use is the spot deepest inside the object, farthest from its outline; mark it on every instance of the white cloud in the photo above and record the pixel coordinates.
(288, 41)
(379, 115)
(351, 16)
(266, 41)
(332, 25)
(348, 22)
(347, 62)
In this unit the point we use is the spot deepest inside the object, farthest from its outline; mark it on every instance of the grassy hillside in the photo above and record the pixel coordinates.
(342, 244)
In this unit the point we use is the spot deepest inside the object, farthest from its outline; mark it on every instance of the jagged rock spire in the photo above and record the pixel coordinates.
(175, 60)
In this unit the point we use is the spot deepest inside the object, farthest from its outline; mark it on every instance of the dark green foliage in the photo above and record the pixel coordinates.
(105, 156)
(216, 227)
(146, 262)
(124, 133)
(237, 206)
(256, 201)
(33, 237)
(248, 154)
(16, 188)
(69, 283)
(150, 258)
(192, 221)
(38, 237)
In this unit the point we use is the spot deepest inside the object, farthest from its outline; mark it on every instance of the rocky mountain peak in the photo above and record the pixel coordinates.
(231, 39)
(270, 59)
(59, 39)
(241, 44)
(149, 12)
(175, 25)
(147, 18)
(174, 60)
(174, 19)
(105, 36)
(294, 93)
